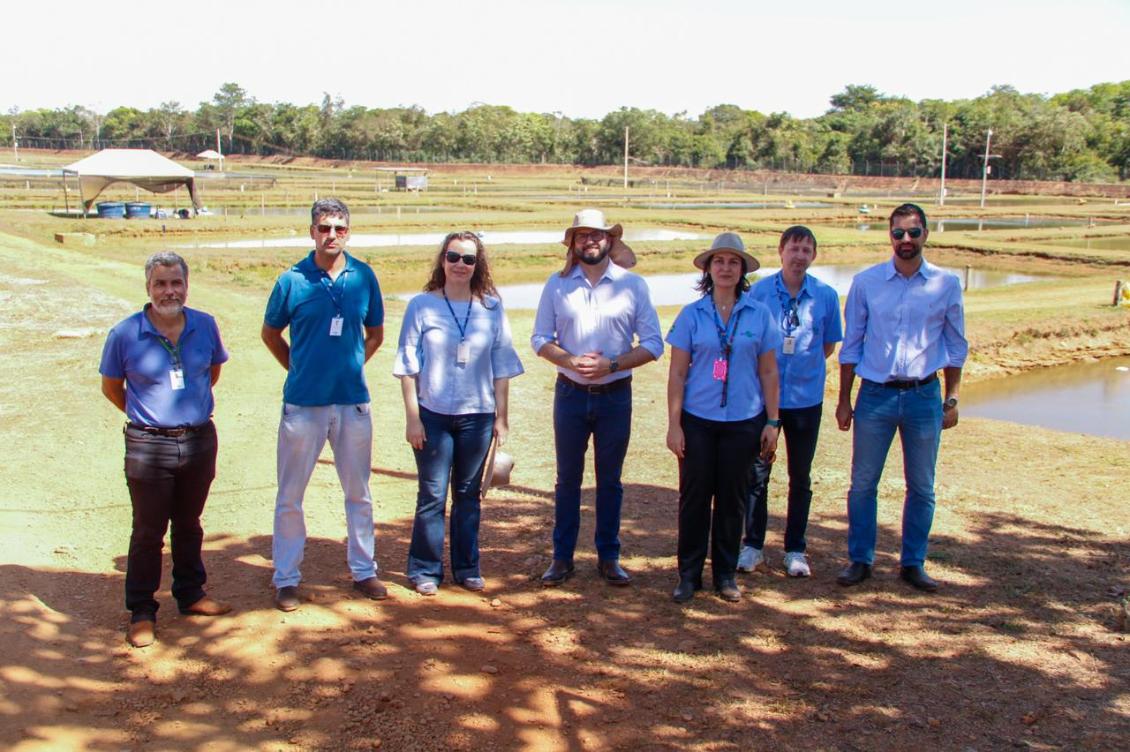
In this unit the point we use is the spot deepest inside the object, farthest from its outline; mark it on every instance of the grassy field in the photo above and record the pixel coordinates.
(1021, 648)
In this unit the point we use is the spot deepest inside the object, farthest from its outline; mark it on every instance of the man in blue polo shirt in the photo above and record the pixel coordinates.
(806, 313)
(158, 367)
(332, 304)
(905, 321)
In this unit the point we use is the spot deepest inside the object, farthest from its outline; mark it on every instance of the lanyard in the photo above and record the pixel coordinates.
(790, 319)
(726, 342)
(463, 326)
(330, 285)
(174, 352)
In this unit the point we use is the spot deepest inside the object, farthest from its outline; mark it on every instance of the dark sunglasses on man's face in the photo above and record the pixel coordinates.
(914, 232)
(340, 230)
(453, 258)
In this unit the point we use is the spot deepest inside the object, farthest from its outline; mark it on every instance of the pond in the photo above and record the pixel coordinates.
(1119, 243)
(740, 205)
(965, 224)
(490, 238)
(1090, 398)
(678, 289)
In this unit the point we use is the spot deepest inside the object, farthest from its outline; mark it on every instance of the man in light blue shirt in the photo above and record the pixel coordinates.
(905, 321)
(595, 322)
(806, 316)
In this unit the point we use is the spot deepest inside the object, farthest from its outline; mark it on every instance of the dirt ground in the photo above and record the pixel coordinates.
(1021, 648)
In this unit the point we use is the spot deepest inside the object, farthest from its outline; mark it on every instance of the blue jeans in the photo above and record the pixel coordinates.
(303, 431)
(801, 426)
(607, 418)
(455, 449)
(916, 414)
(168, 479)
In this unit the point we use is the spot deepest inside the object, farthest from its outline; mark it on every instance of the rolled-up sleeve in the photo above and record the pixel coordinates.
(855, 325)
(647, 321)
(953, 329)
(545, 322)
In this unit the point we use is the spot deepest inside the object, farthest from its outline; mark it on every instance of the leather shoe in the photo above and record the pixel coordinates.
(613, 573)
(916, 576)
(371, 588)
(141, 634)
(286, 599)
(728, 590)
(684, 591)
(206, 607)
(559, 571)
(854, 573)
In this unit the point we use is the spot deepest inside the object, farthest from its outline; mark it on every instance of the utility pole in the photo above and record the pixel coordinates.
(16, 144)
(625, 157)
(985, 170)
(219, 150)
(942, 189)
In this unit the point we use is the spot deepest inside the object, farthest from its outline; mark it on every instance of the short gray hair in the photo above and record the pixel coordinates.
(164, 258)
(328, 207)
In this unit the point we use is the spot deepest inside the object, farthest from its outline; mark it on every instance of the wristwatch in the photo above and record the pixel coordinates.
(613, 365)
(775, 423)
(950, 403)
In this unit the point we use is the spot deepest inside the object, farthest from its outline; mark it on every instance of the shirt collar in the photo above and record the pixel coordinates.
(309, 265)
(926, 269)
(780, 282)
(611, 272)
(147, 327)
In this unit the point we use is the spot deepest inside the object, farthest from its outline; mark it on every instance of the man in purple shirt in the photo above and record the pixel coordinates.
(905, 321)
(158, 367)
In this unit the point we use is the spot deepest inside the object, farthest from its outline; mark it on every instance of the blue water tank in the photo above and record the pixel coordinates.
(137, 210)
(111, 210)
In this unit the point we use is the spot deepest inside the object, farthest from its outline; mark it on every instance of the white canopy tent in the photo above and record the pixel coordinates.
(144, 168)
(212, 154)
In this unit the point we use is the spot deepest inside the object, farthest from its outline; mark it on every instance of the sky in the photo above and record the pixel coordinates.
(580, 58)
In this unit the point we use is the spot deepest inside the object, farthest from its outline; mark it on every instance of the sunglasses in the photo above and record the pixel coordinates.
(340, 230)
(586, 235)
(453, 258)
(914, 232)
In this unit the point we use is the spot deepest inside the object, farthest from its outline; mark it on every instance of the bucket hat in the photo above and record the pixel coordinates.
(593, 219)
(729, 242)
(496, 469)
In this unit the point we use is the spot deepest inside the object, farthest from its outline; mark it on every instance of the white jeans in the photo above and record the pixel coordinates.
(303, 432)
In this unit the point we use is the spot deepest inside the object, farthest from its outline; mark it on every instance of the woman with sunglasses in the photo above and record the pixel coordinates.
(722, 396)
(455, 359)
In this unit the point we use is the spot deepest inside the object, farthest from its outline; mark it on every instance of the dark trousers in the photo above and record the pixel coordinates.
(715, 467)
(607, 418)
(802, 428)
(168, 479)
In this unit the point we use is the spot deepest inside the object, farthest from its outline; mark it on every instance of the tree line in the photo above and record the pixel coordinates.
(1080, 135)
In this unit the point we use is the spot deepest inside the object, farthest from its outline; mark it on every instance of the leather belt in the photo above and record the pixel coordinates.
(173, 433)
(908, 383)
(611, 386)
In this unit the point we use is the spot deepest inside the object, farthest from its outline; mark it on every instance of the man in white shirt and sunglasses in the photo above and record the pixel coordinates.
(904, 321)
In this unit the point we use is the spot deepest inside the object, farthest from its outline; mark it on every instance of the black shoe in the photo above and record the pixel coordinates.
(559, 571)
(684, 591)
(613, 573)
(916, 576)
(854, 573)
(286, 599)
(728, 590)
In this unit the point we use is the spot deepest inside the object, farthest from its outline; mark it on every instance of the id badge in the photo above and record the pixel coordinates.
(788, 347)
(721, 368)
(176, 379)
(336, 324)
(462, 353)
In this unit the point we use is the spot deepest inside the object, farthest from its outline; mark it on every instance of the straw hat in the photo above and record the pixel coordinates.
(496, 470)
(593, 219)
(729, 242)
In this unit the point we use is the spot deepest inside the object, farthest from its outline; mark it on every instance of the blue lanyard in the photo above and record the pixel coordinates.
(463, 326)
(330, 285)
(790, 318)
(726, 342)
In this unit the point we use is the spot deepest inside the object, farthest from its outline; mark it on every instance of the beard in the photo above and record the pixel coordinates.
(593, 261)
(169, 308)
(907, 252)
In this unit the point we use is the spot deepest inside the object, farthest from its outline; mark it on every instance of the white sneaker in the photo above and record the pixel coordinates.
(749, 558)
(796, 564)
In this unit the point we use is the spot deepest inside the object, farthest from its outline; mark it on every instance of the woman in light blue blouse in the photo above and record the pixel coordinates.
(722, 412)
(455, 360)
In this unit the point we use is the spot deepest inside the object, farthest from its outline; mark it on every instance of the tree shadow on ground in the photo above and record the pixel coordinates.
(1017, 649)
